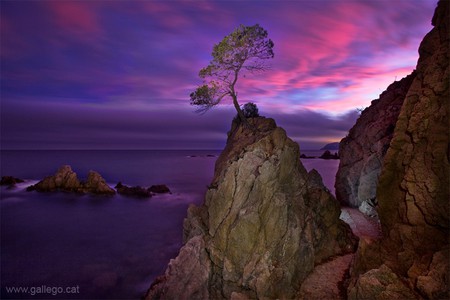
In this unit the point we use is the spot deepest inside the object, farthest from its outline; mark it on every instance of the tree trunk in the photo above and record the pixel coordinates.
(238, 109)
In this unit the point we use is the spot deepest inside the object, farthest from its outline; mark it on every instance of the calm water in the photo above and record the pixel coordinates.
(100, 247)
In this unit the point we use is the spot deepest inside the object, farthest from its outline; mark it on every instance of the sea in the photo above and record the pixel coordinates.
(69, 246)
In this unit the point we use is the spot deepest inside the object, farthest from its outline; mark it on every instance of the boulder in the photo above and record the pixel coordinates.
(265, 223)
(382, 284)
(135, 191)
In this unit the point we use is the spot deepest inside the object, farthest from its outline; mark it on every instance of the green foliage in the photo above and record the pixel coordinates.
(250, 110)
(203, 96)
(245, 49)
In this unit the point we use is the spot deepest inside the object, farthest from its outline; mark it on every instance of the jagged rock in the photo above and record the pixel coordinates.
(434, 283)
(95, 184)
(368, 208)
(264, 225)
(64, 180)
(382, 284)
(413, 189)
(362, 151)
(10, 181)
(67, 180)
(159, 189)
(327, 155)
(187, 275)
(135, 191)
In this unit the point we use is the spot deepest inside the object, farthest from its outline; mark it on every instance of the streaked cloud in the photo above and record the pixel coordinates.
(123, 61)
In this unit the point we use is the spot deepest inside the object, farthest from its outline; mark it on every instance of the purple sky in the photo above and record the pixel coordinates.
(118, 74)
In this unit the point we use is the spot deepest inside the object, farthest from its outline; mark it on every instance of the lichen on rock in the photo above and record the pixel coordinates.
(413, 188)
(264, 225)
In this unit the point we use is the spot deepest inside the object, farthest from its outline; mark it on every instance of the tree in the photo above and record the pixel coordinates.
(245, 49)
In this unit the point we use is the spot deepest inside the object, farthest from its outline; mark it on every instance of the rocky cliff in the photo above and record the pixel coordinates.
(362, 151)
(263, 227)
(412, 258)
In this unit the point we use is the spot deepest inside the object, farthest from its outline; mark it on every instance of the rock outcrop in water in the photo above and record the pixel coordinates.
(10, 181)
(363, 150)
(134, 191)
(264, 225)
(67, 180)
(412, 259)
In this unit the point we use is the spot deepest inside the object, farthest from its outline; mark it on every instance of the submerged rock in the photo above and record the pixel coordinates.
(264, 225)
(10, 181)
(159, 189)
(135, 191)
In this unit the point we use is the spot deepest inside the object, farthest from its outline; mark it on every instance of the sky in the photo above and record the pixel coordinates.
(118, 74)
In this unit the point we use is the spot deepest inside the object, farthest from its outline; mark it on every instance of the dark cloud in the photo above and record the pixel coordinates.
(47, 125)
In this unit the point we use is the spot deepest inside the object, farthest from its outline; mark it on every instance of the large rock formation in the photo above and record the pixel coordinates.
(264, 225)
(363, 150)
(67, 180)
(413, 189)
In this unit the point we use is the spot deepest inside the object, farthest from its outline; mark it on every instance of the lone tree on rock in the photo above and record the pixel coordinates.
(245, 49)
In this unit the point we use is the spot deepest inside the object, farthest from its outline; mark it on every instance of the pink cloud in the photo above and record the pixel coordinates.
(75, 16)
(359, 95)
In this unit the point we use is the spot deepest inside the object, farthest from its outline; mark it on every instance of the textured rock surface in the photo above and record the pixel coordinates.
(95, 184)
(362, 151)
(326, 279)
(64, 180)
(413, 190)
(264, 225)
(382, 284)
(67, 180)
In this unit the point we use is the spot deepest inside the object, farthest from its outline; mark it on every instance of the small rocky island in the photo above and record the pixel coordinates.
(66, 180)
